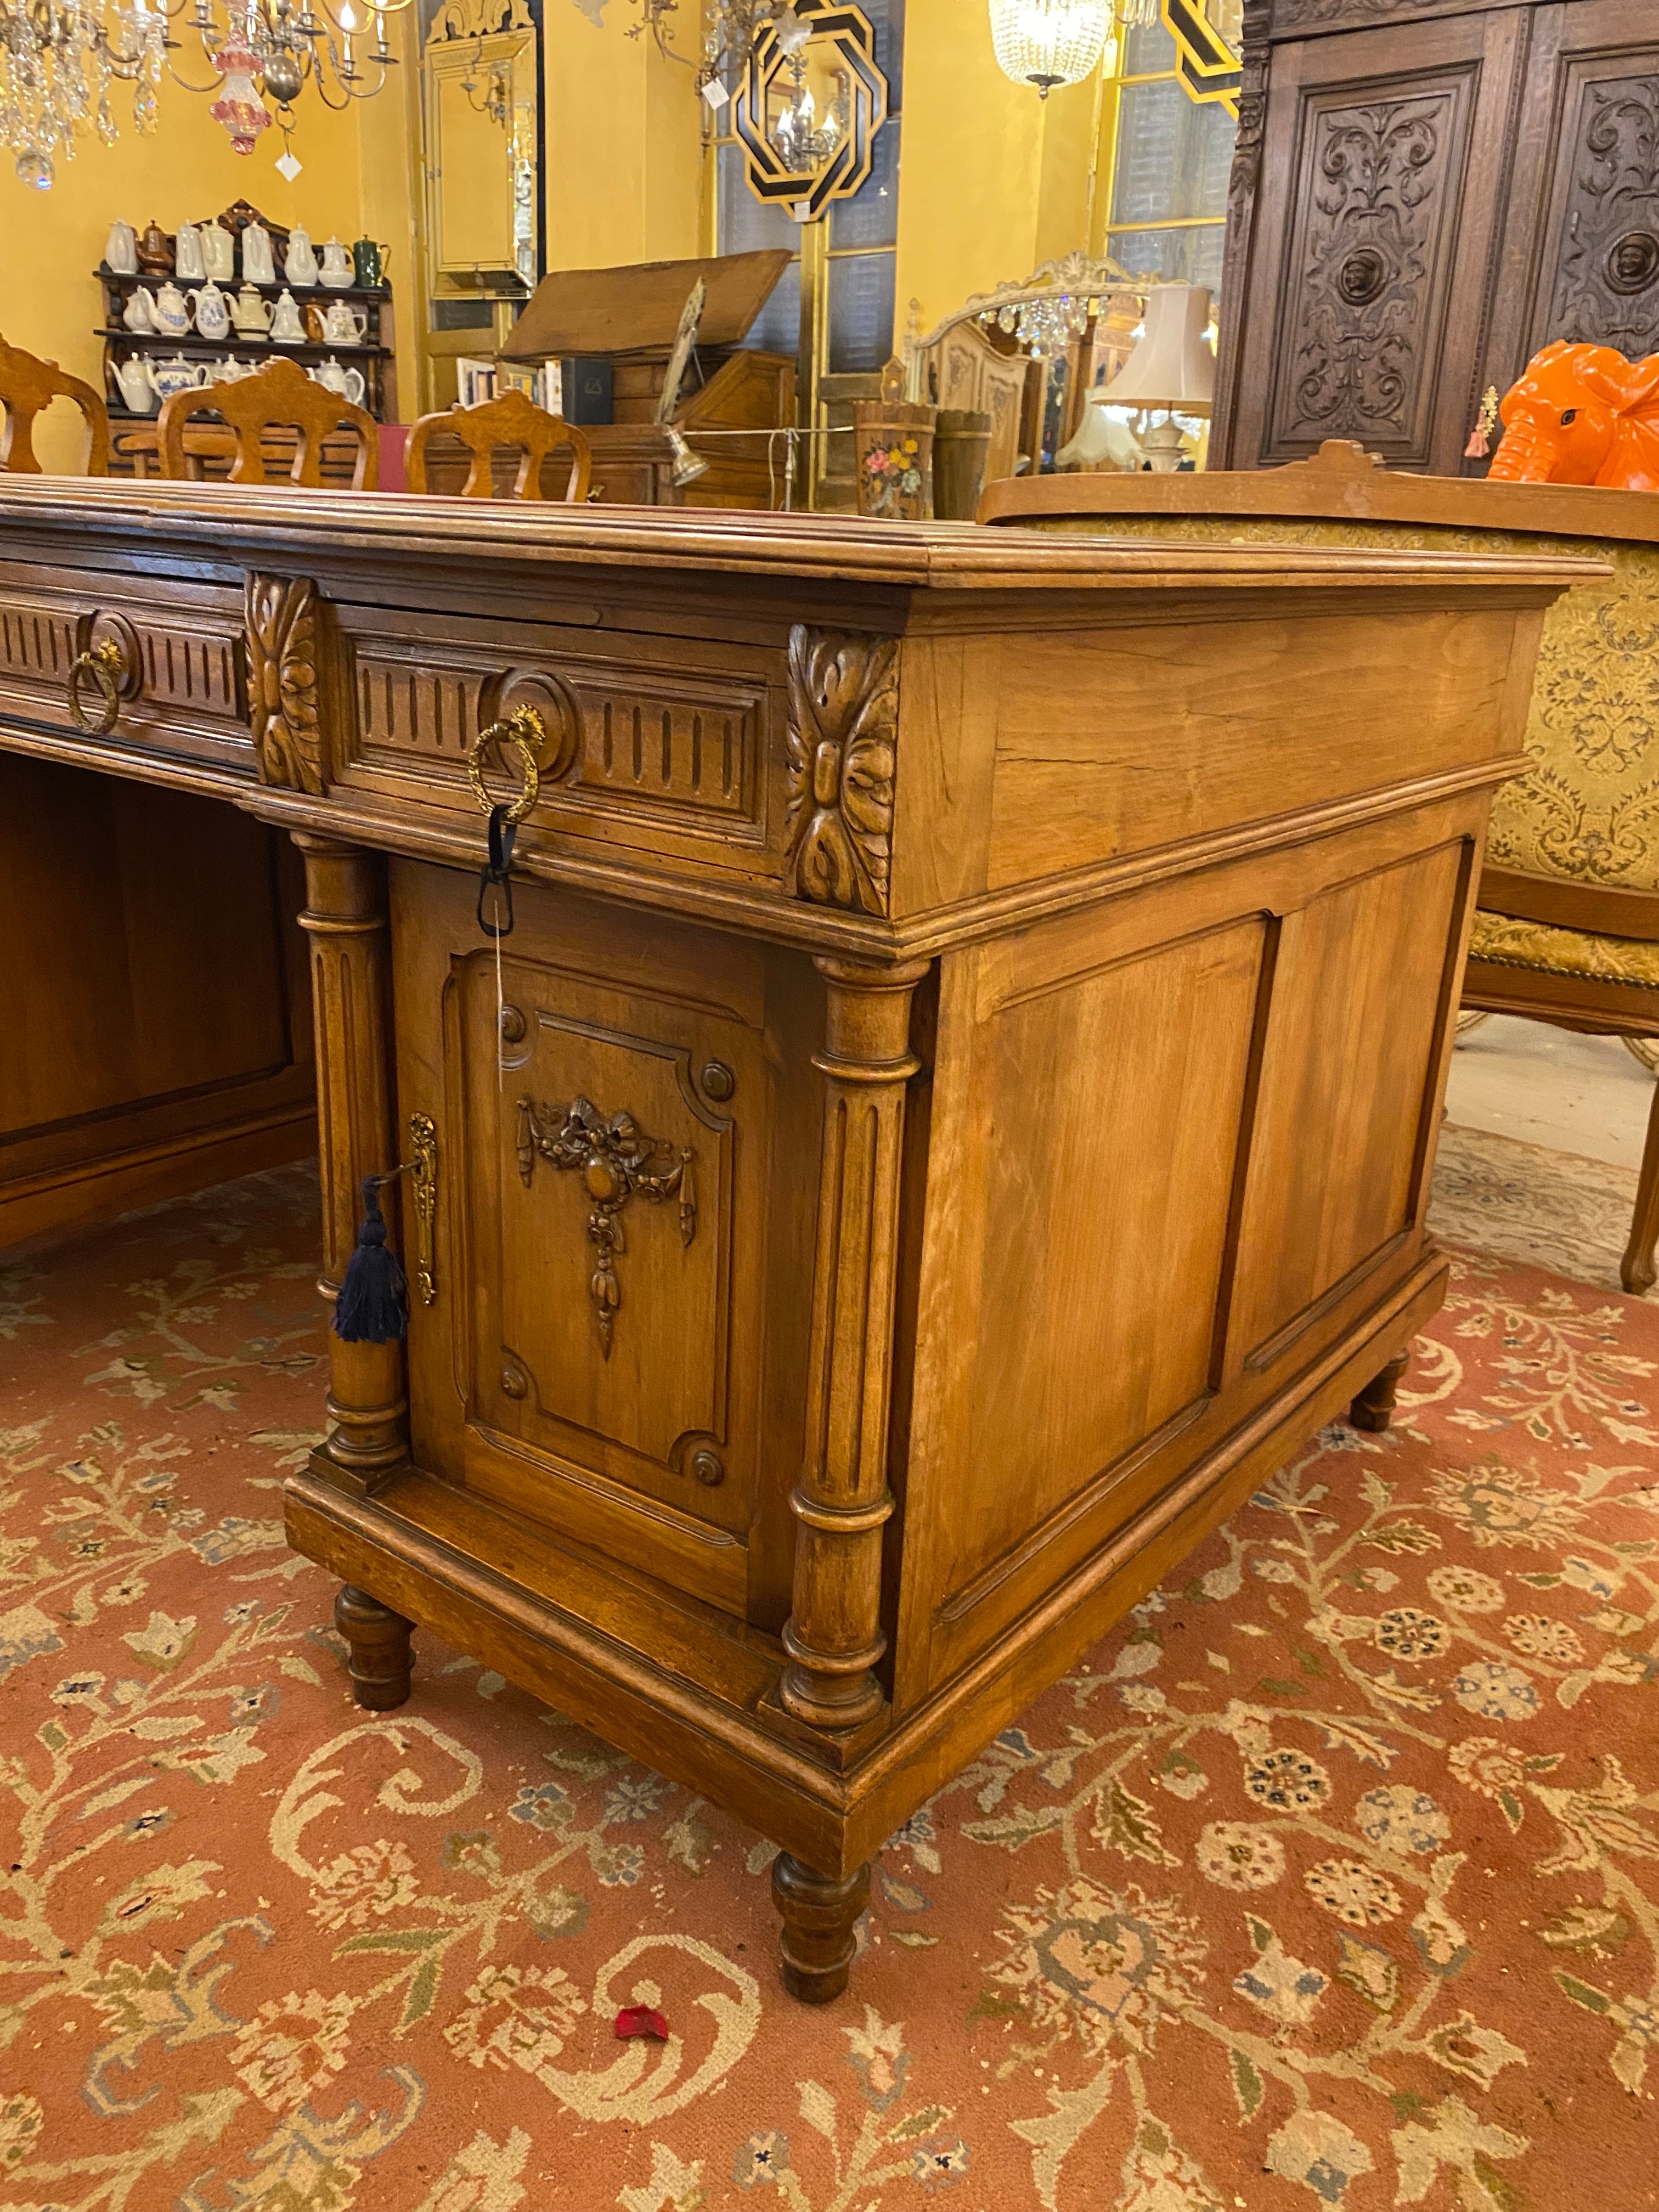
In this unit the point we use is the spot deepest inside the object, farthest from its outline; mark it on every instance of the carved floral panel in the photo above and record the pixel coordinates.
(1368, 264)
(1606, 290)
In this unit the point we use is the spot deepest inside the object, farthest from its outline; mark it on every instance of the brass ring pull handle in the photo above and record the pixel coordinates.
(105, 666)
(525, 731)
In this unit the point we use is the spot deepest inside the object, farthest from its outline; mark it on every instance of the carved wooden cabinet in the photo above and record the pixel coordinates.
(954, 1110)
(1424, 193)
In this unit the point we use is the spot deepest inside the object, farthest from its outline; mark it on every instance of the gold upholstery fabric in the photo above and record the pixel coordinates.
(1512, 944)
(1587, 807)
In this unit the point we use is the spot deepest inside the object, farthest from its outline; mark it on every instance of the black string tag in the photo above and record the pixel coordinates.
(497, 874)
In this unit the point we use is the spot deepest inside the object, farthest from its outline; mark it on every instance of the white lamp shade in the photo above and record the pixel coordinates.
(1171, 366)
(1050, 42)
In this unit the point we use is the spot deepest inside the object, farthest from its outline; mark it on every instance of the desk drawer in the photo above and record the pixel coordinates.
(173, 653)
(669, 746)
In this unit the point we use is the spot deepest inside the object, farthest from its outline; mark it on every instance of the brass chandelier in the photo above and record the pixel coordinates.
(63, 62)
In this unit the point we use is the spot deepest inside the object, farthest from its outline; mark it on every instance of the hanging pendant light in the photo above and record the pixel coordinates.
(1050, 42)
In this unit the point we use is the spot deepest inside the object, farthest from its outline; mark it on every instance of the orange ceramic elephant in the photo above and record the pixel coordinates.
(1581, 415)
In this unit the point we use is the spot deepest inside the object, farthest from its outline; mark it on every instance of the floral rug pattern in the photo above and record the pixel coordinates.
(1330, 1878)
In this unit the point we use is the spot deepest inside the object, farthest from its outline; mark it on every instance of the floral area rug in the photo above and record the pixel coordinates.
(1331, 1878)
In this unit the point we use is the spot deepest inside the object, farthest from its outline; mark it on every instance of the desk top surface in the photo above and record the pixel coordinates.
(917, 556)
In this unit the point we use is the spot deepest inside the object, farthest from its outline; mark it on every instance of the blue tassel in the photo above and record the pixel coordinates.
(373, 1305)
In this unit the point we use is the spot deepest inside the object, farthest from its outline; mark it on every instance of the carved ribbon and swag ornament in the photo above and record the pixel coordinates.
(842, 739)
(617, 1161)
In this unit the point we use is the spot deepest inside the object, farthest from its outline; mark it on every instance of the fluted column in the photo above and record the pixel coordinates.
(834, 1636)
(345, 919)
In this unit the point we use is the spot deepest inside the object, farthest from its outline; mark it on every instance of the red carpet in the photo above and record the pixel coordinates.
(1331, 1879)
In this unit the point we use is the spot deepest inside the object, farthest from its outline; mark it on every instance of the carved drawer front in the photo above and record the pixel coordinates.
(613, 1158)
(648, 742)
(155, 663)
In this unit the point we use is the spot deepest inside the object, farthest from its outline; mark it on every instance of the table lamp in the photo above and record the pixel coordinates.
(1171, 368)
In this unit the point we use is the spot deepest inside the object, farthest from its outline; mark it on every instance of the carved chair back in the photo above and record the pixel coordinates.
(28, 386)
(513, 420)
(281, 397)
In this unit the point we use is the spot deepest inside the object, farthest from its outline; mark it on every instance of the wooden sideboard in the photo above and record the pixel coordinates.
(956, 1109)
(1424, 193)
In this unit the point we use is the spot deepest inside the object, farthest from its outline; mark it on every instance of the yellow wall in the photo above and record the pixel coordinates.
(995, 178)
(623, 142)
(355, 175)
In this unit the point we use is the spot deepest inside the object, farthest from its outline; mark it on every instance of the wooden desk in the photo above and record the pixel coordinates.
(960, 1110)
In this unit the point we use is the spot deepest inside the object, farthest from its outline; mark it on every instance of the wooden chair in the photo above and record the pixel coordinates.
(28, 386)
(513, 420)
(281, 396)
(1566, 929)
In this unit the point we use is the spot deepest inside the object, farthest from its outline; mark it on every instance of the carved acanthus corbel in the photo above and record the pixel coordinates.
(281, 630)
(843, 737)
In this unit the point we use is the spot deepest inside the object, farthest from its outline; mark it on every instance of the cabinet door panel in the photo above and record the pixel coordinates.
(597, 1362)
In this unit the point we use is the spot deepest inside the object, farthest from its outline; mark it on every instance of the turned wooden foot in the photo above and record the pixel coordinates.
(377, 1643)
(1637, 1271)
(1373, 1408)
(819, 1917)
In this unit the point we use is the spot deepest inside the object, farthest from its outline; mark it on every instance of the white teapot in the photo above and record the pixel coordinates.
(212, 312)
(218, 253)
(335, 377)
(137, 314)
(136, 390)
(344, 325)
(250, 313)
(121, 252)
(187, 261)
(287, 323)
(167, 377)
(300, 265)
(171, 311)
(259, 264)
(337, 263)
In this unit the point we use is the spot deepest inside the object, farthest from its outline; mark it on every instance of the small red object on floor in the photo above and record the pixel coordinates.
(640, 2020)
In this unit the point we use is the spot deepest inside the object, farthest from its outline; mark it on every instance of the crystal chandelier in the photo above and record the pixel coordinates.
(62, 61)
(1050, 42)
(1044, 328)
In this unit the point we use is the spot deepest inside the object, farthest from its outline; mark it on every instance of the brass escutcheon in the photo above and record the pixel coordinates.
(525, 731)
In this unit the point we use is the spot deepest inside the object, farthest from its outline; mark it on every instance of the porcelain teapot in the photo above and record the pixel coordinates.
(187, 262)
(344, 325)
(335, 376)
(136, 313)
(300, 266)
(121, 252)
(212, 312)
(287, 323)
(136, 390)
(167, 377)
(258, 263)
(337, 263)
(218, 253)
(250, 313)
(171, 311)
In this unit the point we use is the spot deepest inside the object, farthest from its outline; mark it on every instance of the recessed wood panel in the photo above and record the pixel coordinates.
(1105, 1107)
(1360, 992)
